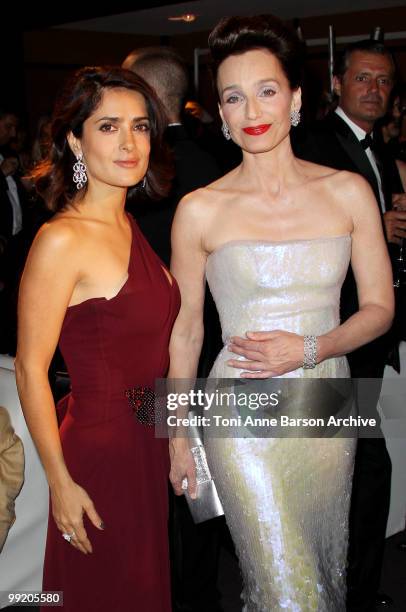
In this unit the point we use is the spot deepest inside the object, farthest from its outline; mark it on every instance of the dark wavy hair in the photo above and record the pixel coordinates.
(79, 99)
(236, 35)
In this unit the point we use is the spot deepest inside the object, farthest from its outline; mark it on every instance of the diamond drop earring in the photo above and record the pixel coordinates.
(295, 117)
(226, 131)
(79, 172)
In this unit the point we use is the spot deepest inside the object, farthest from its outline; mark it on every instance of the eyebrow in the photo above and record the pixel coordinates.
(260, 82)
(118, 119)
(379, 75)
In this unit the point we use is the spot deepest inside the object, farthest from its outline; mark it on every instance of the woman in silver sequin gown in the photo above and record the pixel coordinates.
(285, 499)
(274, 238)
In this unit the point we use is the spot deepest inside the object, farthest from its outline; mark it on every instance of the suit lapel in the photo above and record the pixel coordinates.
(354, 150)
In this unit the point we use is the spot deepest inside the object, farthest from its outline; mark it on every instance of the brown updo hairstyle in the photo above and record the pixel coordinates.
(236, 35)
(79, 99)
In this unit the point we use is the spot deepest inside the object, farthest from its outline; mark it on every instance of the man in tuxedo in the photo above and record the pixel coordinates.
(194, 548)
(12, 220)
(345, 140)
(167, 74)
(11, 215)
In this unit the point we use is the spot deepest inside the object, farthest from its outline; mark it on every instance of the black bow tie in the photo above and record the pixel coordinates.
(367, 142)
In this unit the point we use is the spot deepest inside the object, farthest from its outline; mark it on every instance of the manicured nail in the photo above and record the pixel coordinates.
(102, 525)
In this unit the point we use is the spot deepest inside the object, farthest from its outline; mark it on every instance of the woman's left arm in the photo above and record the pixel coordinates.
(373, 275)
(276, 352)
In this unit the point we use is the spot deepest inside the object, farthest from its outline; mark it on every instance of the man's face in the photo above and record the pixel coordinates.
(8, 128)
(365, 88)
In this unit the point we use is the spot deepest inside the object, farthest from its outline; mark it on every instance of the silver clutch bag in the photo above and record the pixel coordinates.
(207, 504)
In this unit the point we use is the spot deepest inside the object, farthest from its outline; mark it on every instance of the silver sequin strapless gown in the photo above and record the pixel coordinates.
(286, 501)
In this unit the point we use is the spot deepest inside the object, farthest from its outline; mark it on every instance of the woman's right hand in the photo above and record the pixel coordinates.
(182, 466)
(69, 503)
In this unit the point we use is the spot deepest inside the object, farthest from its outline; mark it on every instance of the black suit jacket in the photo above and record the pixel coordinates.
(194, 168)
(331, 142)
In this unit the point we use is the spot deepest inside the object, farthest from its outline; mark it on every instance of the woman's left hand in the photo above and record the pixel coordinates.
(268, 354)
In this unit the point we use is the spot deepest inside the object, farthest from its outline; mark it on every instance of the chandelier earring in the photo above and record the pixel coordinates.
(295, 117)
(226, 131)
(79, 172)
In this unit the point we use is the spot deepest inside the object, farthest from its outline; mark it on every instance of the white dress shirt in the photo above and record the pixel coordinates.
(12, 193)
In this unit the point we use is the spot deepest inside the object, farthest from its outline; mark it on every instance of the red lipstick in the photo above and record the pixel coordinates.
(257, 130)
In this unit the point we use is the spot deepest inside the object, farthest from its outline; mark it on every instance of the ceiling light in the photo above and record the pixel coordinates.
(188, 17)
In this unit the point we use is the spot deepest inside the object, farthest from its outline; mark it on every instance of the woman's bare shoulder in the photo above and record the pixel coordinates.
(57, 247)
(210, 197)
(351, 189)
(313, 171)
(340, 184)
(323, 174)
(332, 175)
(60, 236)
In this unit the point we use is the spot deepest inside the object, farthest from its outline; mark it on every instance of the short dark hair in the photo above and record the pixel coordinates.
(6, 110)
(235, 35)
(366, 46)
(79, 99)
(165, 70)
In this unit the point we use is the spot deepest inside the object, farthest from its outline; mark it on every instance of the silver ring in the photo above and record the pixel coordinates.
(68, 536)
(184, 484)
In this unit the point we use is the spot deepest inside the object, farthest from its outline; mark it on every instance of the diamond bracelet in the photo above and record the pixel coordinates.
(310, 352)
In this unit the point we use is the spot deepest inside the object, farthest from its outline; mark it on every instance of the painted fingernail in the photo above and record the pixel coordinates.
(102, 525)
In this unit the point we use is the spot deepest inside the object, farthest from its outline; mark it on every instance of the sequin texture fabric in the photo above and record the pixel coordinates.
(286, 500)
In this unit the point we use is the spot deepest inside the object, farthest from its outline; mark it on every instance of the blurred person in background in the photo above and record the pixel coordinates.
(43, 139)
(11, 473)
(11, 205)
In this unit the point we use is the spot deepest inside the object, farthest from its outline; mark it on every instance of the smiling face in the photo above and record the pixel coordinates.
(115, 140)
(365, 87)
(256, 100)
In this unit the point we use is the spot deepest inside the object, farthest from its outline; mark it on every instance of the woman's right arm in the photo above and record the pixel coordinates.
(188, 263)
(50, 275)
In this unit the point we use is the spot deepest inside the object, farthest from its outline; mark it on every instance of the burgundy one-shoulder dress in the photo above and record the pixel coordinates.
(112, 346)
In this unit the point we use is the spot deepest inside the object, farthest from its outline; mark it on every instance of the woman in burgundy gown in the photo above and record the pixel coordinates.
(93, 282)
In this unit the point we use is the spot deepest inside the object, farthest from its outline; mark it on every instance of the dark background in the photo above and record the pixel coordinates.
(35, 58)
